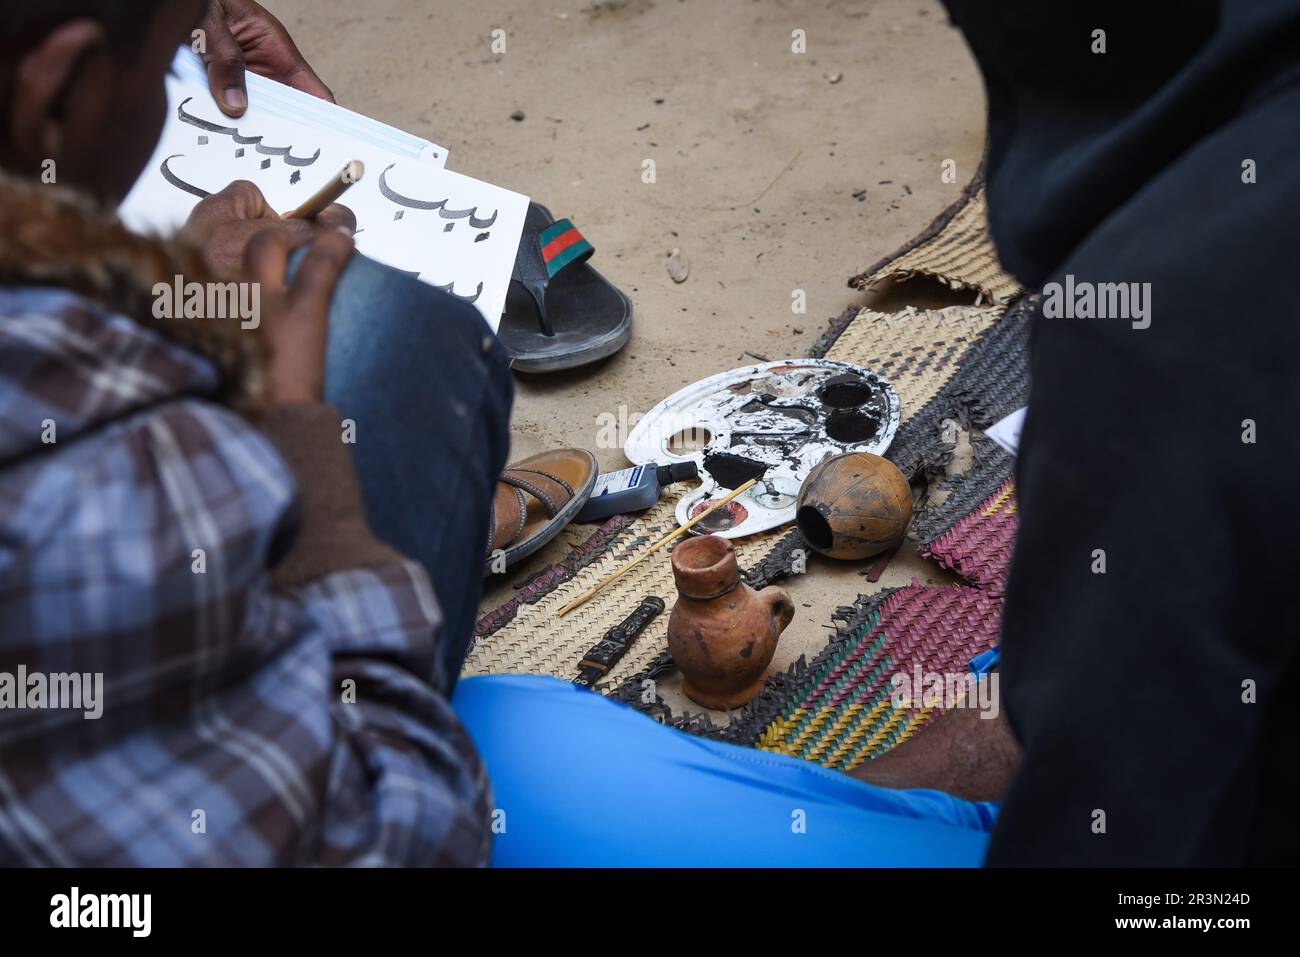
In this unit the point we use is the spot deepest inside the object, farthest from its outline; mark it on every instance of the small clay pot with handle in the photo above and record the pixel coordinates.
(722, 633)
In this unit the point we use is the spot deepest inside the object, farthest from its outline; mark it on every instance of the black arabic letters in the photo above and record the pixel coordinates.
(446, 213)
(179, 183)
(441, 206)
(388, 193)
(284, 152)
(451, 288)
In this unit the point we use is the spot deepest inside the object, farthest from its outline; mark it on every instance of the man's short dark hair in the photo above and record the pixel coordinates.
(24, 24)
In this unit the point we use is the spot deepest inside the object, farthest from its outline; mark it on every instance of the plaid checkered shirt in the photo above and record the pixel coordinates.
(241, 724)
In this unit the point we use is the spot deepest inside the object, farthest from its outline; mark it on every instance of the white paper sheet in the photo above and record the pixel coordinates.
(1006, 432)
(450, 230)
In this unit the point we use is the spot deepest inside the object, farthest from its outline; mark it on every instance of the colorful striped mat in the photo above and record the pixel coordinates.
(978, 546)
(840, 710)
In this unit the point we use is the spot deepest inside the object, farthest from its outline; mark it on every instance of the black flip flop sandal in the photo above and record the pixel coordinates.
(560, 313)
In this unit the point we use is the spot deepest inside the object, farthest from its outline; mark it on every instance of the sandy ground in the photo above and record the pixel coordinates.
(775, 171)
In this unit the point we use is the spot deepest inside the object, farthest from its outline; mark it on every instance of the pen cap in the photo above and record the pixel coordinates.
(677, 472)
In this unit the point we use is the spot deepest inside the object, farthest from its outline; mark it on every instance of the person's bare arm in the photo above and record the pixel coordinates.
(967, 752)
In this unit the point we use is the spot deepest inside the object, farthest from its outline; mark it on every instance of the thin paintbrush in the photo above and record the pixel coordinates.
(330, 192)
(676, 533)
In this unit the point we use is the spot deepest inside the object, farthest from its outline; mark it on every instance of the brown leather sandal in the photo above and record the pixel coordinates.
(535, 499)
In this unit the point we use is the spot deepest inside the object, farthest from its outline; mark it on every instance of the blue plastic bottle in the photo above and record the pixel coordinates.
(633, 490)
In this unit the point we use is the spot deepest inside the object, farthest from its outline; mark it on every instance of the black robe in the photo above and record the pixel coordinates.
(1153, 699)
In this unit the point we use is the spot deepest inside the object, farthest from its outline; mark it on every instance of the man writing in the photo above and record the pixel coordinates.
(178, 513)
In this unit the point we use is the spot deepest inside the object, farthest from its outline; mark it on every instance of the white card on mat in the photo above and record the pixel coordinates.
(450, 230)
(1006, 432)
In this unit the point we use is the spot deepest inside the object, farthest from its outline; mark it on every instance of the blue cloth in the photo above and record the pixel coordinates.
(582, 781)
(986, 661)
(430, 390)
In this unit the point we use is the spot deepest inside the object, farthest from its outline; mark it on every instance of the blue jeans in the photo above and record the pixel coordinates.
(429, 388)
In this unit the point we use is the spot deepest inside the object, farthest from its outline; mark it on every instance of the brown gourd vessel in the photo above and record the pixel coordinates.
(722, 634)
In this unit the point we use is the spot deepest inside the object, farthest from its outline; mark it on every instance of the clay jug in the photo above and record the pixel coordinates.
(722, 633)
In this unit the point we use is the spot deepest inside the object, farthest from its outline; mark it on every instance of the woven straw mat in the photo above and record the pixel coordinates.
(917, 350)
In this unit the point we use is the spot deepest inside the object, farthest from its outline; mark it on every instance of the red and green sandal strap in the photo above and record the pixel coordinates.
(561, 244)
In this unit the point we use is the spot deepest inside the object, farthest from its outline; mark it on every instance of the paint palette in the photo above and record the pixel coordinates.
(771, 422)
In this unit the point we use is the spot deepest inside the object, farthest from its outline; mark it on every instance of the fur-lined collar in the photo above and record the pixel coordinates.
(53, 236)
